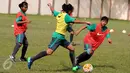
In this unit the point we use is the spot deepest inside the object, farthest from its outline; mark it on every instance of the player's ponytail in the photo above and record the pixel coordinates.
(20, 5)
(64, 7)
(67, 7)
(23, 4)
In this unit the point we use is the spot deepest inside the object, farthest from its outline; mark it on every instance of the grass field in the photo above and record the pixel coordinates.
(107, 58)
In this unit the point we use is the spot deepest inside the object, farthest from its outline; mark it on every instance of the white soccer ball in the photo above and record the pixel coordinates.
(87, 68)
(111, 30)
(12, 25)
(123, 31)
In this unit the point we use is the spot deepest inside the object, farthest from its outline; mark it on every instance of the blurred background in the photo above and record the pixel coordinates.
(115, 9)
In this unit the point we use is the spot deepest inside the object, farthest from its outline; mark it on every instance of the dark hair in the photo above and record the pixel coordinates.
(23, 4)
(105, 18)
(67, 7)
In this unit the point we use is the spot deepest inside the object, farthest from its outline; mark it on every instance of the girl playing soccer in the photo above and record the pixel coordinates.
(58, 37)
(20, 27)
(93, 39)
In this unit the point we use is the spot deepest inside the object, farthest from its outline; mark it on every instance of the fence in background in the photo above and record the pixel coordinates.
(116, 9)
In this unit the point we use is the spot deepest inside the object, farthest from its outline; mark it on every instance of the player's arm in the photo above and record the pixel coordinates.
(90, 27)
(69, 19)
(50, 6)
(81, 22)
(108, 38)
(78, 31)
(19, 20)
(54, 12)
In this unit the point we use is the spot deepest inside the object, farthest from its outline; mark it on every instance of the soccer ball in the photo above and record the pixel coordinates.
(87, 68)
(123, 31)
(12, 25)
(111, 30)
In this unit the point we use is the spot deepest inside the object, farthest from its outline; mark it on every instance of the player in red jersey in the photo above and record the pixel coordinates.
(93, 39)
(20, 27)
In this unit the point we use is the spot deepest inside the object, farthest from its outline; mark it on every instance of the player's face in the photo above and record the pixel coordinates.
(104, 22)
(70, 13)
(24, 8)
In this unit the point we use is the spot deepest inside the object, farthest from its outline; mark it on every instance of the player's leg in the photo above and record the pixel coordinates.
(71, 37)
(86, 54)
(67, 45)
(55, 42)
(19, 41)
(83, 56)
(24, 49)
(49, 51)
(71, 31)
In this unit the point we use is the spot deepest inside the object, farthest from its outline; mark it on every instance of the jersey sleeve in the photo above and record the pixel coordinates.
(91, 27)
(108, 35)
(18, 19)
(55, 13)
(69, 19)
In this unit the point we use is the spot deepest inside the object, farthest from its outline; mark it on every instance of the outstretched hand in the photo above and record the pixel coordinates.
(110, 41)
(88, 23)
(49, 4)
(129, 34)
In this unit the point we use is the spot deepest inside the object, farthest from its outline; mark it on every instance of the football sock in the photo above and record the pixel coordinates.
(83, 57)
(38, 56)
(72, 57)
(24, 49)
(71, 37)
(16, 48)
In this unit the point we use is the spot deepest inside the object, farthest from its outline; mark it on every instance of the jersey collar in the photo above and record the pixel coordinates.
(23, 12)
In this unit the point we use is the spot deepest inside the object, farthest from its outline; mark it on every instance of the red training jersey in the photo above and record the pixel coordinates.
(96, 37)
(18, 29)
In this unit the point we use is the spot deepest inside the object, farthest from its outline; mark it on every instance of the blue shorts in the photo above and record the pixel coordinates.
(21, 38)
(56, 42)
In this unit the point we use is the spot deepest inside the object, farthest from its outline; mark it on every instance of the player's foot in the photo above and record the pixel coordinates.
(30, 62)
(12, 58)
(73, 44)
(76, 68)
(23, 59)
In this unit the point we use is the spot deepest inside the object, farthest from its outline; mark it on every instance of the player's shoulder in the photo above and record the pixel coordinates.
(19, 14)
(93, 25)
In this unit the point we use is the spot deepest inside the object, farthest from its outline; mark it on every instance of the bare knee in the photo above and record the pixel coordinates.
(70, 48)
(49, 51)
(19, 44)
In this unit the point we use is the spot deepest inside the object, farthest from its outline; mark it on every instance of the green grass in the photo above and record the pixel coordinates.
(107, 58)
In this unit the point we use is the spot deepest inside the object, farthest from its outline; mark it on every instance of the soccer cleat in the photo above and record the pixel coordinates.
(76, 68)
(23, 59)
(12, 58)
(29, 63)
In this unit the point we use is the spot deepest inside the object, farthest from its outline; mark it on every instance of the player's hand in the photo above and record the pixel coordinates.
(110, 41)
(28, 21)
(129, 34)
(88, 23)
(49, 4)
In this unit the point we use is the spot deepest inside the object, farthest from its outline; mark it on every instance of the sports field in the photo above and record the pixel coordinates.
(107, 58)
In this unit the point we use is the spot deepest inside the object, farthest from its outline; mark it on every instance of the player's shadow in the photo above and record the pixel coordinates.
(104, 66)
(65, 68)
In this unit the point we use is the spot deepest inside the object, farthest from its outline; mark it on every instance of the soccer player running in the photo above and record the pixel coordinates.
(93, 39)
(58, 37)
(20, 27)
